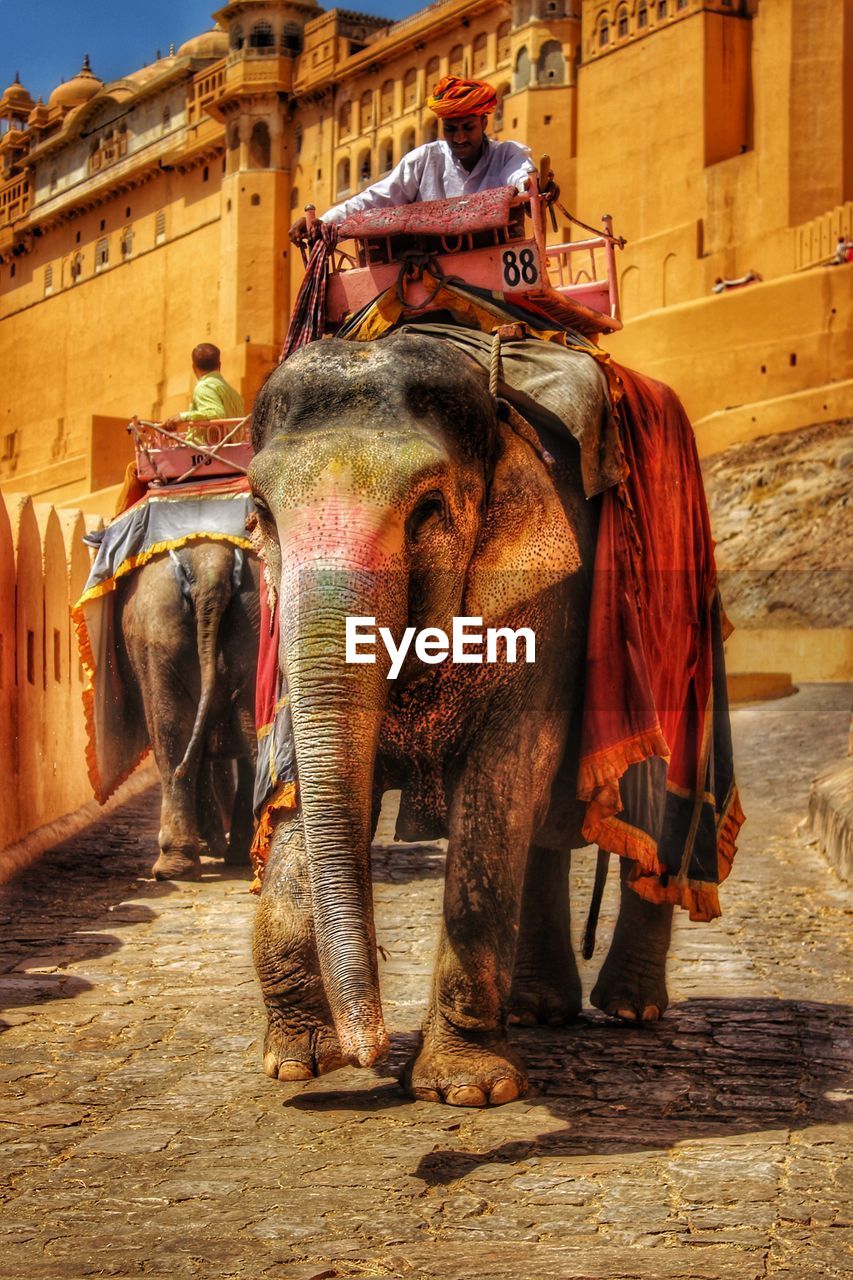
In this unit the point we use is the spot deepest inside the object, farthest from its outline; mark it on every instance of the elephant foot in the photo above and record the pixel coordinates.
(631, 988)
(237, 854)
(548, 998)
(465, 1069)
(177, 866)
(292, 1053)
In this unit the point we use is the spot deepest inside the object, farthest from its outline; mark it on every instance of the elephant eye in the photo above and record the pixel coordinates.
(261, 507)
(430, 510)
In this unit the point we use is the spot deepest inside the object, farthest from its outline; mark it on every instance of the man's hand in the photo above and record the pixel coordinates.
(299, 232)
(550, 193)
(173, 424)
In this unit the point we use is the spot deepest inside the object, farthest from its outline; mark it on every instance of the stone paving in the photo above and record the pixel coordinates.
(142, 1139)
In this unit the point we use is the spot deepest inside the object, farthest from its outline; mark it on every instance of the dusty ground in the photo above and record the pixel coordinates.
(142, 1138)
(782, 514)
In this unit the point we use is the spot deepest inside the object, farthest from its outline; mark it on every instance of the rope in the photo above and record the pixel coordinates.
(495, 365)
(596, 231)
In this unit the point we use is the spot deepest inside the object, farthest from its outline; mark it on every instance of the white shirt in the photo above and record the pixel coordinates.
(431, 172)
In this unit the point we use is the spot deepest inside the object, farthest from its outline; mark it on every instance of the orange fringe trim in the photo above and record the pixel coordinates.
(284, 802)
(135, 562)
(87, 661)
(600, 771)
(699, 897)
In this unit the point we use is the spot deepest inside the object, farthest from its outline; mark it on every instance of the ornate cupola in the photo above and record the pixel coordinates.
(15, 107)
(73, 93)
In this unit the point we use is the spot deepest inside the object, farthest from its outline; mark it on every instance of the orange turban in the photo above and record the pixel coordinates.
(455, 97)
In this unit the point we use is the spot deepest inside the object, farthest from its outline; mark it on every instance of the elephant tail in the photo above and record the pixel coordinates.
(209, 601)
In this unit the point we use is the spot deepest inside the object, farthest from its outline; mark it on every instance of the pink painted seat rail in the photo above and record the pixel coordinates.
(482, 211)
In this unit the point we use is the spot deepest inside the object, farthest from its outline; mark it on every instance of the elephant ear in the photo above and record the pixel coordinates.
(527, 544)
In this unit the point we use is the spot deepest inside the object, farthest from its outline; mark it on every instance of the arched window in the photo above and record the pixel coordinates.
(503, 42)
(160, 227)
(410, 89)
(237, 40)
(167, 119)
(521, 75)
(291, 39)
(407, 142)
(365, 111)
(261, 36)
(551, 66)
(365, 169)
(603, 32)
(126, 242)
(386, 156)
(386, 100)
(294, 197)
(622, 22)
(456, 61)
(344, 119)
(433, 71)
(76, 267)
(297, 139)
(431, 130)
(643, 16)
(342, 184)
(481, 53)
(259, 146)
(663, 8)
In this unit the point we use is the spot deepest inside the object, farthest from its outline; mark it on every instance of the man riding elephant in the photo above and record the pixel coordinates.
(463, 161)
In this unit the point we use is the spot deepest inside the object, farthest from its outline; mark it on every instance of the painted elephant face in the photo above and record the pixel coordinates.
(370, 479)
(374, 460)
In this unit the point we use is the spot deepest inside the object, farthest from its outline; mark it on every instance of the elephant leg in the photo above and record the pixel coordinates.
(210, 825)
(632, 981)
(301, 1041)
(464, 1057)
(242, 818)
(546, 986)
(178, 836)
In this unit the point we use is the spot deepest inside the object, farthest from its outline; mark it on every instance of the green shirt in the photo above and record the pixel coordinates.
(213, 398)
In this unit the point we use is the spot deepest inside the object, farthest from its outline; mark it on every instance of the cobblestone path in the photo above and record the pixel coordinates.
(142, 1139)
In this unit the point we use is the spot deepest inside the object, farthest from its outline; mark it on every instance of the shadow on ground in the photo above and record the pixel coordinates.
(710, 1068)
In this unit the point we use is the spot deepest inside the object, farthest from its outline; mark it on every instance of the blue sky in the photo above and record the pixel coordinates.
(45, 39)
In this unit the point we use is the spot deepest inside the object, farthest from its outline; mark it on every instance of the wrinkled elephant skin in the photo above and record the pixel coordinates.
(188, 644)
(389, 487)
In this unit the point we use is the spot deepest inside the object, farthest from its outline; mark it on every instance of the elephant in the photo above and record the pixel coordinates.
(187, 645)
(391, 486)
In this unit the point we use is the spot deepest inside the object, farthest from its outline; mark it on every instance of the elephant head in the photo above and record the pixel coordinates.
(374, 481)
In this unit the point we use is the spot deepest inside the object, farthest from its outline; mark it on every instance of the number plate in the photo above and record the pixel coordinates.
(519, 268)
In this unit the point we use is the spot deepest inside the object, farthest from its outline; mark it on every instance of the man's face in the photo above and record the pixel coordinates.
(464, 135)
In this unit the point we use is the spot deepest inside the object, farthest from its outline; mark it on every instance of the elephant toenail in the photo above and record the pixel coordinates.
(427, 1095)
(505, 1090)
(626, 1013)
(271, 1065)
(466, 1095)
(522, 1018)
(651, 1013)
(293, 1070)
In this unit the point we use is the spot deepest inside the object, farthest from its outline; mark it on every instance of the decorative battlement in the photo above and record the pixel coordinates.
(609, 25)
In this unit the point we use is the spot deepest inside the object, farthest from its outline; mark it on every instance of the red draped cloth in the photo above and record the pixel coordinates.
(656, 764)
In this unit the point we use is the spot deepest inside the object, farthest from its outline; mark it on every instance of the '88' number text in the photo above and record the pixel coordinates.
(519, 267)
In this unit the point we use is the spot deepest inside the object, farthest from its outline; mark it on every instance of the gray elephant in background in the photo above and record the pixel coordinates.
(389, 485)
(187, 647)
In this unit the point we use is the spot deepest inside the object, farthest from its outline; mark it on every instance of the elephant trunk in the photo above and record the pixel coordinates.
(337, 711)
